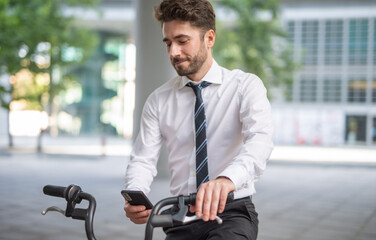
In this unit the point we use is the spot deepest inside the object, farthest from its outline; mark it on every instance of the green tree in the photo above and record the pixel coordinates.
(252, 39)
(35, 37)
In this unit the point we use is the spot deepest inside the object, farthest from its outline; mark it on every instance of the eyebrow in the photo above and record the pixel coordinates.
(176, 37)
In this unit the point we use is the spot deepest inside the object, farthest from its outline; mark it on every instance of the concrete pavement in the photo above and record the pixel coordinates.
(296, 200)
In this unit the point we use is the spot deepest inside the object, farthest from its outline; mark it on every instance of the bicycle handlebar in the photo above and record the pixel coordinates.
(74, 195)
(157, 220)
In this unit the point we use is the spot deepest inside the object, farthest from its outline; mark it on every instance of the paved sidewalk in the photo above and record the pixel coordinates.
(296, 200)
(120, 147)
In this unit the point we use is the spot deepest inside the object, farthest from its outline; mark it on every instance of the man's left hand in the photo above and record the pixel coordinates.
(211, 198)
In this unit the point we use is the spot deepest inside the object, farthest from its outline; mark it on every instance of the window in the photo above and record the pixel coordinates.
(310, 42)
(374, 91)
(333, 41)
(357, 89)
(332, 89)
(374, 41)
(356, 129)
(291, 31)
(358, 41)
(308, 89)
(374, 131)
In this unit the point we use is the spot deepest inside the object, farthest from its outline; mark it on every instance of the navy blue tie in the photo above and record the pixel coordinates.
(202, 173)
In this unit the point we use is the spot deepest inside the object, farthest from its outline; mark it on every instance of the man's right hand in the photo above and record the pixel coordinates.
(137, 214)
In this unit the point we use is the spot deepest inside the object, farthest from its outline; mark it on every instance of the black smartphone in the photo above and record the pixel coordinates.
(136, 198)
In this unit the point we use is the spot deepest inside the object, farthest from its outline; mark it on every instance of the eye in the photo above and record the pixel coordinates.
(182, 42)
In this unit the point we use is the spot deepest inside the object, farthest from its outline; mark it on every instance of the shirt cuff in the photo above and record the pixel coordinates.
(237, 174)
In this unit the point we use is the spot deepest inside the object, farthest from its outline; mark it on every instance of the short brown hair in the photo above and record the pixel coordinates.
(199, 13)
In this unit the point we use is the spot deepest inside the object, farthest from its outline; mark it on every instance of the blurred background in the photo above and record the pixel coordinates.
(69, 69)
(74, 76)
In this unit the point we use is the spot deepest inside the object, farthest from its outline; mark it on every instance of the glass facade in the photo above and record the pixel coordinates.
(358, 41)
(333, 42)
(310, 46)
(102, 81)
(374, 41)
(308, 87)
(374, 91)
(291, 30)
(332, 89)
(338, 69)
(339, 47)
(356, 90)
(374, 130)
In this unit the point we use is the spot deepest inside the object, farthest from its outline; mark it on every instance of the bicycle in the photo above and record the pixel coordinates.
(74, 195)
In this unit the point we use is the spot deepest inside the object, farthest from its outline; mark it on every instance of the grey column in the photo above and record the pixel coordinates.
(153, 67)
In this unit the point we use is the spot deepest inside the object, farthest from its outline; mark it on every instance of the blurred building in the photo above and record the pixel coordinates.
(107, 79)
(334, 92)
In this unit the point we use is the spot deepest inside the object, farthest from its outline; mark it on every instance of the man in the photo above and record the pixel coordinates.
(216, 124)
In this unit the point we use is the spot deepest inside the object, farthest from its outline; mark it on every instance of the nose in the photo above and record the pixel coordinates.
(174, 50)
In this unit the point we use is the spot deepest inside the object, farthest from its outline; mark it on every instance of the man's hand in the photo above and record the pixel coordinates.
(137, 214)
(211, 198)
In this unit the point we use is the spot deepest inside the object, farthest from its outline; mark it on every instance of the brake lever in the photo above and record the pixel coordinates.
(195, 218)
(53, 209)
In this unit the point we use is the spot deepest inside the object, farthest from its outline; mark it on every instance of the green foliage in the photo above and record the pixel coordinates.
(254, 41)
(33, 37)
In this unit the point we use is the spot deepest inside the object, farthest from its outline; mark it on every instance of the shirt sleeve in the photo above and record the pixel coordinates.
(257, 132)
(142, 169)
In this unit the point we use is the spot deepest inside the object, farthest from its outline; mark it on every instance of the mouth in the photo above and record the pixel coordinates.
(178, 62)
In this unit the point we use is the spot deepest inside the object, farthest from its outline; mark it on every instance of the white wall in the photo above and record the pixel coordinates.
(299, 125)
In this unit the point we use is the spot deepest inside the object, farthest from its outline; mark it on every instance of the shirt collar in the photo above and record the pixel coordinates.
(214, 75)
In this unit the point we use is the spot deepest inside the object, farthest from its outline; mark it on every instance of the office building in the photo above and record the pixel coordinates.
(334, 91)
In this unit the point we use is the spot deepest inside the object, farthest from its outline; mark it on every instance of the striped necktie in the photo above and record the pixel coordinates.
(202, 174)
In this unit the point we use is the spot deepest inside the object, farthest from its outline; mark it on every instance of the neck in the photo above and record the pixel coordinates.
(198, 76)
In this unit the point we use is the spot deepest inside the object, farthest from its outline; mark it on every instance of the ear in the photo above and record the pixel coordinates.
(210, 38)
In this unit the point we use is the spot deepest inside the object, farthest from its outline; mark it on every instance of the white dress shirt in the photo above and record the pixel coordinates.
(239, 132)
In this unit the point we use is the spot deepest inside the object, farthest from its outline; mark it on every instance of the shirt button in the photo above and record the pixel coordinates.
(194, 174)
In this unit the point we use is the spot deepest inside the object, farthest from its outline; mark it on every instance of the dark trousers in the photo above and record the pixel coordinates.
(240, 222)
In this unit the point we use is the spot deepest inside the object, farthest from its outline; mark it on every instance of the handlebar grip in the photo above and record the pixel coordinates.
(55, 191)
(162, 221)
(230, 197)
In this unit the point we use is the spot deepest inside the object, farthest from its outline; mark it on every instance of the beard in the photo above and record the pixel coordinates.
(195, 62)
